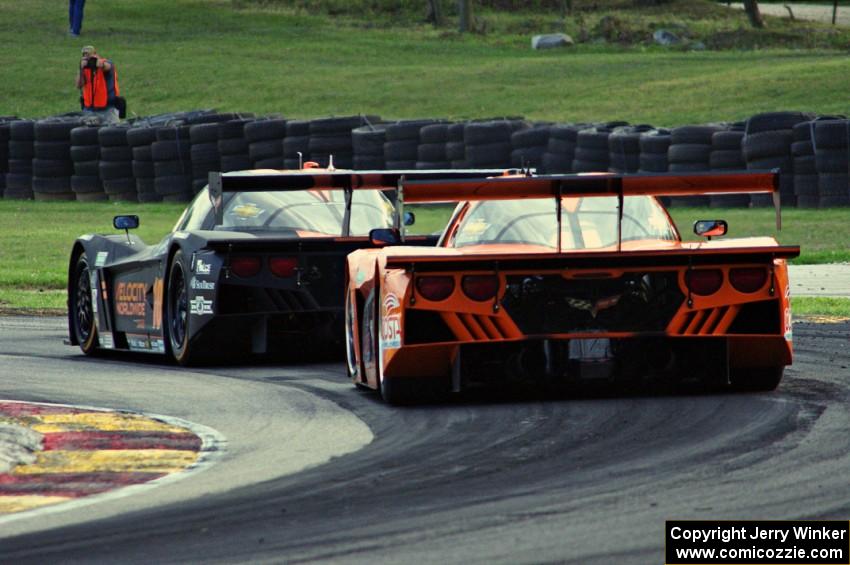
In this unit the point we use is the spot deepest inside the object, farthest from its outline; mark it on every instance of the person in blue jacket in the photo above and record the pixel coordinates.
(75, 16)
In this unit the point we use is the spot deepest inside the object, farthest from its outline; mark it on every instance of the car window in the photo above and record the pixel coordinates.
(587, 223)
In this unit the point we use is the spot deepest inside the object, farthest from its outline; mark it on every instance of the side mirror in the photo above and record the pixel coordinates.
(710, 228)
(409, 218)
(384, 236)
(125, 222)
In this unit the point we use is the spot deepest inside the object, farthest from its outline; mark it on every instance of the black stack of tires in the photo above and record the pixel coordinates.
(232, 145)
(368, 144)
(431, 153)
(455, 148)
(767, 145)
(529, 146)
(140, 140)
(832, 158)
(19, 177)
(4, 151)
(654, 145)
(297, 141)
(591, 154)
(204, 153)
(52, 167)
(172, 163)
(726, 155)
(85, 156)
(488, 144)
(116, 164)
(265, 142)
(401, 148)
(331, 137)
(690, 152)
(624, 148)
(561, 148)
(805, 168)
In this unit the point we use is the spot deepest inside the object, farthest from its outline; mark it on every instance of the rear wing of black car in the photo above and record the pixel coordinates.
(323, 179)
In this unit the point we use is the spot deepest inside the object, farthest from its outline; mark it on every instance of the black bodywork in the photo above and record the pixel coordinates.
(182, 297)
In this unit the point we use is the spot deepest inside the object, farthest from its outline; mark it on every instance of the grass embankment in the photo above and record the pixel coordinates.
(337, 57)
(185, 54)
(36, 240)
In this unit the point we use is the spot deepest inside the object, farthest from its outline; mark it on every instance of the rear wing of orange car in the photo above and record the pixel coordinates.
(331, 179)
(513, 187)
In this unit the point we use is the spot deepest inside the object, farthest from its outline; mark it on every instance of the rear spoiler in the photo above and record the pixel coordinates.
(219, 183)
(594, 184)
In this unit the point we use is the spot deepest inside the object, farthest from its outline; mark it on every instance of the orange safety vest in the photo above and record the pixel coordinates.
(100, 91)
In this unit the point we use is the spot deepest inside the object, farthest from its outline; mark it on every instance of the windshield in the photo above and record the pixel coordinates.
(318, 211)
(587, 223)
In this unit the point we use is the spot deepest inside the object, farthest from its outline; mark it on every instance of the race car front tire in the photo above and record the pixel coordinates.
(82, 312)
(177, 318)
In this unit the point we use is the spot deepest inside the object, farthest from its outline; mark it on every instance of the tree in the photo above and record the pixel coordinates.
(464, 8)
(753, 12)
(435, 13)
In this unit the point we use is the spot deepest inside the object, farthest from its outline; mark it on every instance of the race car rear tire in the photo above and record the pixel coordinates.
(754, 379)
(80, 307)
(177, 318)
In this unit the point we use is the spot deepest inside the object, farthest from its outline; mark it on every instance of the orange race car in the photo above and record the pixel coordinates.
(568, 278)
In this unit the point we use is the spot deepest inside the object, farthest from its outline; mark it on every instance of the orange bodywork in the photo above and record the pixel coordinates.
(753, 324)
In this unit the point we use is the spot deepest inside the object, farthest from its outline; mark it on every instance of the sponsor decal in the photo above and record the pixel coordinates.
(106, 341)
(247, 211)
(130, 299)
(158, 293)
(391, 332)
(202, 268)
(391, 322)
(390, 302)
(100, 259)
(201, 285)
(789, 332)
(200, 306)
(145, 343)
(93, 288)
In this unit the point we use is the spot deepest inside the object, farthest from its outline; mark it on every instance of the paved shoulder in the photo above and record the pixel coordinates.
(820, 280)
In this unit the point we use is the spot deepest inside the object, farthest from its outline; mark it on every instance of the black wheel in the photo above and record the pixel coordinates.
(753, 379)
(80, 308)
(352, 362)
(178, 320)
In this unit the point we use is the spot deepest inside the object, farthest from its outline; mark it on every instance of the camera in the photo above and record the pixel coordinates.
(91, 63)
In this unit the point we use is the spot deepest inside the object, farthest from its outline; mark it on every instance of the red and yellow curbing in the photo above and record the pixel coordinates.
(86, 451)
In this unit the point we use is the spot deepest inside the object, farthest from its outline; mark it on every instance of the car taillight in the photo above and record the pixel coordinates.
(435, 288)
(283, 266)
(480, 287)
(704, 281)
(245, 266)
(748, 279)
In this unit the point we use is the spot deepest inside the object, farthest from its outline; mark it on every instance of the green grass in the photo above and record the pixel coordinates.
(817, 306)
(186, 54)
(36, 237)
(342, 57)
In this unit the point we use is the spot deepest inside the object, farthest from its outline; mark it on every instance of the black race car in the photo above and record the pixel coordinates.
(255, 264)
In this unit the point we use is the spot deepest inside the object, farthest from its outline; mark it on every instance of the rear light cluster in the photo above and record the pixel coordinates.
(474, 287)
(704, 282)
(249, 266)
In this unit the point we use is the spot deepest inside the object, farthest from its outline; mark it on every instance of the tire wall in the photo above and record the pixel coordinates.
(169, 157)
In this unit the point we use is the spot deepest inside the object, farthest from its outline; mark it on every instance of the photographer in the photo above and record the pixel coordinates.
(98, 84)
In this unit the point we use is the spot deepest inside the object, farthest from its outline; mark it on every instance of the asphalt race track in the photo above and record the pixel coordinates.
(489, 479)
